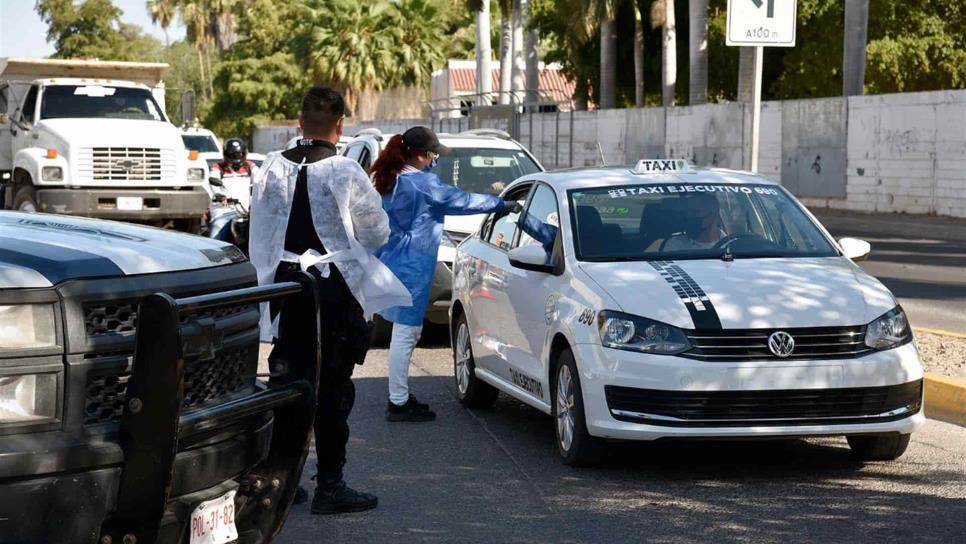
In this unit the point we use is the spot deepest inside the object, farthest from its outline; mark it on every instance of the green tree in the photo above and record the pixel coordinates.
(85, 30)
(260, 78)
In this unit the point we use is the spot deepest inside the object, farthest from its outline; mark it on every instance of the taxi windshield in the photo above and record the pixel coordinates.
(481, 170)
(678, 221)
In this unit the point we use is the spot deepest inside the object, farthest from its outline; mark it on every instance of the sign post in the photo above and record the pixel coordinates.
(760, 24)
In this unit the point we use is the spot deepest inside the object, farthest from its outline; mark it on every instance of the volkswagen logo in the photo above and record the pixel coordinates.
(781, 344)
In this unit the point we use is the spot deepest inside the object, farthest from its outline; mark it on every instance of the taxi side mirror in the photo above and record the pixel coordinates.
(855, 249)
(530, 257)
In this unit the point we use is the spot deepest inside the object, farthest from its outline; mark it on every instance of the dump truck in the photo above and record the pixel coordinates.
(92, 138)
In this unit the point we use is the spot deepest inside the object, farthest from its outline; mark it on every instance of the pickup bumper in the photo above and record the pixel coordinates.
(190, 203)
(224, 447)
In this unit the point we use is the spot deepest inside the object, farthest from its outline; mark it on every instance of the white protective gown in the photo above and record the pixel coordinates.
(348, 217)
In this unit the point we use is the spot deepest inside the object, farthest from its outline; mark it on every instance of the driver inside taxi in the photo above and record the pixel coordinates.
(702, 224)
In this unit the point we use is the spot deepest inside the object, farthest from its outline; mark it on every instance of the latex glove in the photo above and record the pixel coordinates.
(512, 206)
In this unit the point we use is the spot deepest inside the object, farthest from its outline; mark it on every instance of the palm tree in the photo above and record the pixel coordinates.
(532, 55)
(638, 55)
(608, 57)
(506, 49)
(484, 54)
(518, 82)
(662, 14)
(853, 54)
(162, 13)
(418, 42)
(698, 52)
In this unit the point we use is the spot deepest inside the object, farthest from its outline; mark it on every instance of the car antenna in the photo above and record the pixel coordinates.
(600, 150)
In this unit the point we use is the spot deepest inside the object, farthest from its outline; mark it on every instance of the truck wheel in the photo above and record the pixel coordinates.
(471, 391)
(25, 200)
(381, 332)
(883, 447)
(576, 446)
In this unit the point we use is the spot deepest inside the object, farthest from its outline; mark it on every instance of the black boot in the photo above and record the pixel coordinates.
(338, 498)
(413, 410)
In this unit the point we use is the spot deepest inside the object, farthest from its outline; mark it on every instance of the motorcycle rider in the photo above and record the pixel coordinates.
(231, 180)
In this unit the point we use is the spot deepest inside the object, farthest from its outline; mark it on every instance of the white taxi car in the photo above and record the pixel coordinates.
(663, 301)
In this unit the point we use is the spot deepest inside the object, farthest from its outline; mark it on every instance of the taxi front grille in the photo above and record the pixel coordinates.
(230, 373)
(752, 344)
(125, 163)
(763, 407)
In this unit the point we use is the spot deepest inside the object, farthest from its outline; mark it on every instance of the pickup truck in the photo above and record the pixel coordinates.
(131, 408)
(92, 139)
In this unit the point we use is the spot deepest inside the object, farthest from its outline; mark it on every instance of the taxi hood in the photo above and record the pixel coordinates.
(41, 250)
(745, 293)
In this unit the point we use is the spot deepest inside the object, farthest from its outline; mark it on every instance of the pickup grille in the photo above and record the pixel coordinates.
(231, 372)
(752, 344)
(125, 163)
(769, 407)
(120, 317)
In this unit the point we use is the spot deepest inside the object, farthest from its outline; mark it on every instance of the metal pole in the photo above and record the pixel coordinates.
(556, 139)
(571, 138)
(756, 109)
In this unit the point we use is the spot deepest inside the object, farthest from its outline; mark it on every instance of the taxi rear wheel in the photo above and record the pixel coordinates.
(470, 390)
(886, 447)
(576, 446)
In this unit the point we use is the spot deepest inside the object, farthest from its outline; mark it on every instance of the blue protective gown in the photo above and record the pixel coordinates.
(416, 209)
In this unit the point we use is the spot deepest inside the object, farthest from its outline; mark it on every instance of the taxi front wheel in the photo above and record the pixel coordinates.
(470, 390)
(576, 446)
(885, 447)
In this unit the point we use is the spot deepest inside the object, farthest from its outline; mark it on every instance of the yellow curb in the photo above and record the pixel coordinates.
(939, 332)
(945, 398)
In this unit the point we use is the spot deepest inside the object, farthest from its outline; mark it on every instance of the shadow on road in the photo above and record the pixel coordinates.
(492, 476)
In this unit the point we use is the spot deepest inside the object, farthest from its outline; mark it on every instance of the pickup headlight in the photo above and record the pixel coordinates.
(889, 331)
(28, 397)
(196, 174)
(26, 326)
(629, 332)
(52, 173)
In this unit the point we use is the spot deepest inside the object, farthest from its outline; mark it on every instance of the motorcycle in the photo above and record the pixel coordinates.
(228, 215)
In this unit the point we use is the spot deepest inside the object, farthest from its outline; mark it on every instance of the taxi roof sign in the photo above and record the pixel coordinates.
(663, 166)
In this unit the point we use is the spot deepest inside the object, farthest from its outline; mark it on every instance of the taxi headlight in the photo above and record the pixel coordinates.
(28, 397)
(889, 331)
(26, 326)
(633, 333)
(196, 174)
(52, 173)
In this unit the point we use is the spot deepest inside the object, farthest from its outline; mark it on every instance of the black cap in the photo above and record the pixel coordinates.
(423, 139)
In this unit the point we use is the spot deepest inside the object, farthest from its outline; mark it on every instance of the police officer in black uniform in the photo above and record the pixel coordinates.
(344, 331)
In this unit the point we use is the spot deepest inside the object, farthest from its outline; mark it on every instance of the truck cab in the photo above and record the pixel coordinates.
(94, 144)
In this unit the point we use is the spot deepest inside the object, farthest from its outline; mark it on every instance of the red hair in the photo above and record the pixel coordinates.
(390, 162)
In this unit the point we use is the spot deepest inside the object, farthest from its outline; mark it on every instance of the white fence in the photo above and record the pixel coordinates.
(884, 153)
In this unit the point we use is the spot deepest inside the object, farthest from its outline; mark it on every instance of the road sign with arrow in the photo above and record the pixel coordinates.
(769, 23)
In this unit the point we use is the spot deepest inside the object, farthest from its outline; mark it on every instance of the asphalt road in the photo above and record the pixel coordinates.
(492, 476)
(921, 259)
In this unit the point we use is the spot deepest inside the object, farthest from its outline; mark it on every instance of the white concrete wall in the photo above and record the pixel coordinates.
(903, 153)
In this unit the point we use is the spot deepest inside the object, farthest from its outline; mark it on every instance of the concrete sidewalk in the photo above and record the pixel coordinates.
(922, 259)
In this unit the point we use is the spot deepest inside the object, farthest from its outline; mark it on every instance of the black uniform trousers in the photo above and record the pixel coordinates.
(344, 336)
